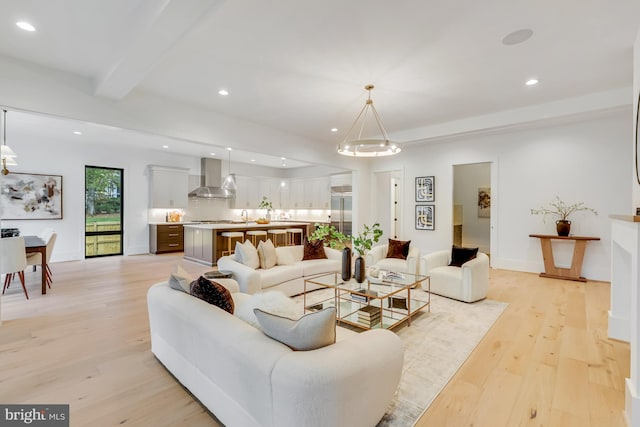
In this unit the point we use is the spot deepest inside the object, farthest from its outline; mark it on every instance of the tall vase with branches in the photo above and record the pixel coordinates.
(563, 211)
(362, 243)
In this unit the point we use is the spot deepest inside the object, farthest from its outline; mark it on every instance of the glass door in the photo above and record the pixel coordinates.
(103, 211)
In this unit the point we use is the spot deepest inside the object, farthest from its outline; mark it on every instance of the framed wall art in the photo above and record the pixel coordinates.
(31, 196)
(484, 202)
(425, 188)
(425, 217)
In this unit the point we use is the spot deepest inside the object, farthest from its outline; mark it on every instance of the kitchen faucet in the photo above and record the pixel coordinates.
(245, 215)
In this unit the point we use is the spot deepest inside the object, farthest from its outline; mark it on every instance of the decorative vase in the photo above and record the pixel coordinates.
(360, 271)
(563, 227)
(346, 264)
(268, 216)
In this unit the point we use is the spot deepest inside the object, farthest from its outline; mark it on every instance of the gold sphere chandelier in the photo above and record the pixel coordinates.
(368, 147)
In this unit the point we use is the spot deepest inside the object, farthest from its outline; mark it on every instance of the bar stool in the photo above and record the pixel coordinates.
(291, 235)
(229, 236)
(256, 236)
(278, 237)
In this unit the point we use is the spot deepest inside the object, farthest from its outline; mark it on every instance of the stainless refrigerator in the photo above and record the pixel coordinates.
(341, 208)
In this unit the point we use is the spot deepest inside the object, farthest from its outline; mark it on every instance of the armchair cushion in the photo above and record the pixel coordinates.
(398, 249)
(460, 255)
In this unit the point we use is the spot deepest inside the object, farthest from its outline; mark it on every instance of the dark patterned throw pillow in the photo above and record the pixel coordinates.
(460, 255)
(398, 249)
(213, 293)
(314, 250)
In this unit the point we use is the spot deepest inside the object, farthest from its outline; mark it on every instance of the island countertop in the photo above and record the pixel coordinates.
(246, 225)
(204, 244)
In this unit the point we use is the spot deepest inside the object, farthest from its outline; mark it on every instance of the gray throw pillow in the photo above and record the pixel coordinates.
(180, 280)
(311, 331)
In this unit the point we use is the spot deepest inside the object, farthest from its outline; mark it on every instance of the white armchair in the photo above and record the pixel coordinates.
(468, 283)
(377, 256)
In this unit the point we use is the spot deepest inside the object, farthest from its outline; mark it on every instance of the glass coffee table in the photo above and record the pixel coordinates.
(376, 303)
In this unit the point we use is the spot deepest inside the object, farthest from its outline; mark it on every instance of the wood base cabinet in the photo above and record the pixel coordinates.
(165, 238)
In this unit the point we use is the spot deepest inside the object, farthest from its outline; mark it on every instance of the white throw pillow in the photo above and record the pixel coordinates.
(180, 279)
(267, 254)
(247, 254)
(271, 301)
(284, 256)
(311, 331)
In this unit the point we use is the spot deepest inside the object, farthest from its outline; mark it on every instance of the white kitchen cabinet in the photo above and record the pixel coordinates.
(168, 187)
(246, 192)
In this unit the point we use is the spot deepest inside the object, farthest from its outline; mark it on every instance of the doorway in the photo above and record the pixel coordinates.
(103, 211)
(472, 206)
(388, 203)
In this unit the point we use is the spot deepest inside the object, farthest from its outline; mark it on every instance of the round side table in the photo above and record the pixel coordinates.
(215, 274)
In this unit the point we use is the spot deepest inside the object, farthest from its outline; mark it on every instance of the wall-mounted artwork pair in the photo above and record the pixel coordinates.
(425, 189)
(31, 196)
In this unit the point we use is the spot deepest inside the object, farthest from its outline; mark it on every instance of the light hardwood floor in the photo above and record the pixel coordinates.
(546, 362)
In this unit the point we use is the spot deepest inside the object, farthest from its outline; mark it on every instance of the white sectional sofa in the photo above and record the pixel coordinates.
(287, 275)
(248, 379)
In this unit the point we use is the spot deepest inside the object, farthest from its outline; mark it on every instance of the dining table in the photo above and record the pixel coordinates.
(35, 244)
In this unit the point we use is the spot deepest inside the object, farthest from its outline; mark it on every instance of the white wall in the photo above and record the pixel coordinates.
(467, 179)
(580, 161)
(68, 158)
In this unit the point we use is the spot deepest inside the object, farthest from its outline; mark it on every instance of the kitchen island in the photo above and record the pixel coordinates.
(203, 243)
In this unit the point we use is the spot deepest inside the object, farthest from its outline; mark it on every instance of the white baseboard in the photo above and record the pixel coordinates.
(619, 328)
(632, 405)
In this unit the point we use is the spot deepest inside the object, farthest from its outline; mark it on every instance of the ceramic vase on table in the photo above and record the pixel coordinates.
(563, 227)
(346, 264)
(360, 270)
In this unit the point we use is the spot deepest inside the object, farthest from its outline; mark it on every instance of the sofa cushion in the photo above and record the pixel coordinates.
(460, 255)
(180, 280)
(288, 255)
(398, 249)
(311, 331)
(314, 250)
(267, 254)
(279, 274)
(213, 293)
(319, 266)
(247, 254)
(273, 302)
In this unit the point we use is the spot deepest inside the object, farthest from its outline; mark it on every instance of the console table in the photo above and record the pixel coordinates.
(550, 269)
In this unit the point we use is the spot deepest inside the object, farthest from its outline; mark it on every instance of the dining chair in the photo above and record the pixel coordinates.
(13, 260)
(35, 258)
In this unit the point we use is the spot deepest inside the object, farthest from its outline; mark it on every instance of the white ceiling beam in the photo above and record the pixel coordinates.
(159, 26)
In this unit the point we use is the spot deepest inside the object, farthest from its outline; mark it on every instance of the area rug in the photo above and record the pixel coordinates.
(436, 345)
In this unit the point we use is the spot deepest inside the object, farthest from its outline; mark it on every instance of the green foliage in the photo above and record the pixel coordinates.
(561, 210)
(332, 237)
(365, 240)
(103, 190)
(265, 204)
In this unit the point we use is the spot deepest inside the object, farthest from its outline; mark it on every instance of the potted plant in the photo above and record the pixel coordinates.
(563, 212)
(331, 237)
(362, 243)
(265, 204)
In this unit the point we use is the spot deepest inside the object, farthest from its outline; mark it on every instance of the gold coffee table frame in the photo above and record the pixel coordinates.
(391, 315)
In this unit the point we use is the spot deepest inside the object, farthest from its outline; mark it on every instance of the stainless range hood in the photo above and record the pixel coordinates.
(210, 181)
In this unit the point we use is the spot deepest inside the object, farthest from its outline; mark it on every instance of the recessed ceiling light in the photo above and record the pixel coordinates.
(223, 92)
(229, 148)
(253, 160)
(517, 37)
(77, 132)
(282, 158)
(165, 146)
(212, 154)
(25, 26)
(334, 129)
(531, 82)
